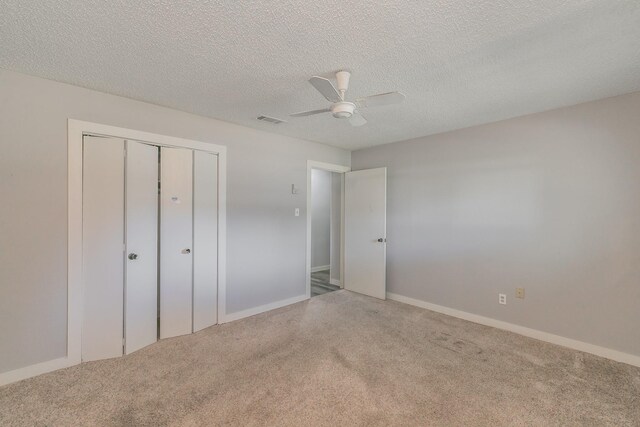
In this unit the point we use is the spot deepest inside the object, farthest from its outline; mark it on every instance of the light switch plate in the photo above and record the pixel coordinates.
(297, 212)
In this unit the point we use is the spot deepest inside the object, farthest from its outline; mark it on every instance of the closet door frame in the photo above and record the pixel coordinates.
(76, 130)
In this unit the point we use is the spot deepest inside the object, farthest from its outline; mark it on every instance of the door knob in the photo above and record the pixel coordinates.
(133, 256)
(186, 251)
(382, 240)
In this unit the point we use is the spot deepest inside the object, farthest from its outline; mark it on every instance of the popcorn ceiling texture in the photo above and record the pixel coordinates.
(459, 63)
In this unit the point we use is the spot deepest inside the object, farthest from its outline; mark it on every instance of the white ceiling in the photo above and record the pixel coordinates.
(460, 63)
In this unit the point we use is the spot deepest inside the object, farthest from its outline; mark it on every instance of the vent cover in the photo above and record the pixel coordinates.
(271, 120)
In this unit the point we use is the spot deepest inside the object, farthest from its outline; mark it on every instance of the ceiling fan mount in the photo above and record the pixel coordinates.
(340, 108)
(342, 79)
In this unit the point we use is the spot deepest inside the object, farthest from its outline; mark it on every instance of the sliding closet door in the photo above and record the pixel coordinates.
(102, 247)
(205, 240)
(141, 273)
(176, 240)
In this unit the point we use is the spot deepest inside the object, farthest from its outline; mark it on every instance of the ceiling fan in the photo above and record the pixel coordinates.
(342, 109)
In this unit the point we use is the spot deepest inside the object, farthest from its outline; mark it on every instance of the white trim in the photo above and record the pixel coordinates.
(312, 164)
(266, 307)
(33, 370)
(222, 235)
(76, 130)
(335, 282)
(597, 350)
(320, 268)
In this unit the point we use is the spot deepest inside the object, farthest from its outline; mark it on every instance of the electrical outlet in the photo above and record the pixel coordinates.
(520, 293)
(502, 298)
(297, 212)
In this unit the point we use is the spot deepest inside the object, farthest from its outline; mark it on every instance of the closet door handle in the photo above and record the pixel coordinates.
(186, 251)
(133, 256)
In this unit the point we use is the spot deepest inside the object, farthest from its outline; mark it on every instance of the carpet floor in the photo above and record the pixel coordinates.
(337, 359)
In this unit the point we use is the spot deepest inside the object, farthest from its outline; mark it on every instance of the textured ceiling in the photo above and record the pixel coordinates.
(460, 63)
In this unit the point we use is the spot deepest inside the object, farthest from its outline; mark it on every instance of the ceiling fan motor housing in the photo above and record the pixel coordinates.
(343, 110)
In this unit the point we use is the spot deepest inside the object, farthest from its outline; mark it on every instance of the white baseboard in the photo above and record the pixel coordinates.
(335, 282)
(33, 370)
(618, 356)
(597, 350)
(320, 268)
(261, 309)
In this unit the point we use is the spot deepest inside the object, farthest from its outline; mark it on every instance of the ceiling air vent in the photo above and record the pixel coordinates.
(271, 120)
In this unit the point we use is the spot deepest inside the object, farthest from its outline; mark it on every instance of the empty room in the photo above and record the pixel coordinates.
(296, 213)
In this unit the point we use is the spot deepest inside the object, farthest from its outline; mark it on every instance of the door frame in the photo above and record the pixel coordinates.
(76, 131)
(312, 164)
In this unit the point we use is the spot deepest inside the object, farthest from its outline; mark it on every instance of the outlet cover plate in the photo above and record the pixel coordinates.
(502, 298)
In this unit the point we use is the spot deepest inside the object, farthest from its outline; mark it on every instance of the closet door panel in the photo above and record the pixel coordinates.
(102, 247)
(205, 240)
(141, 223)
(176, 240)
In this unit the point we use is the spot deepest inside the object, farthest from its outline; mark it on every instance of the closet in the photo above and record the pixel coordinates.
(150, 239)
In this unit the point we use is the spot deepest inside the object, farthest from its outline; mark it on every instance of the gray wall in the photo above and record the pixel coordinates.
(266, 242)
(320, 218)
(549, 202)
(336, 223)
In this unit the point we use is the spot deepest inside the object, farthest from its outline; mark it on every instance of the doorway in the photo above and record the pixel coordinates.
(326, 202)
(325, 231)
(361, 265)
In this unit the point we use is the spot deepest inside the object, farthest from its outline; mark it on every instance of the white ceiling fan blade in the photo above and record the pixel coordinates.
(380, 100)
(326, 88)
(310, 113)
(357, 119)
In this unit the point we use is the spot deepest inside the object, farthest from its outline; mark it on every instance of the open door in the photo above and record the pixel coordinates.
(365, 210)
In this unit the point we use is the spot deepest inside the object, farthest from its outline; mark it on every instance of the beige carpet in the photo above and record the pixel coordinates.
(337, 359)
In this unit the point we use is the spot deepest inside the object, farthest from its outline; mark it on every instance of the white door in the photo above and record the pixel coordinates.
(176, 240)
(205, 240)
(141, 224)
(365, 210)
(102, 247)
